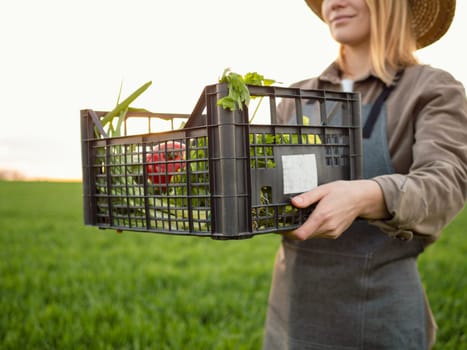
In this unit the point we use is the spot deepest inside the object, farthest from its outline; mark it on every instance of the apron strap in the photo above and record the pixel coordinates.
(378, 104)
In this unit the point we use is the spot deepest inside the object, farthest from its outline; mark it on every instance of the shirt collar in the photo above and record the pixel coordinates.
(333, 74)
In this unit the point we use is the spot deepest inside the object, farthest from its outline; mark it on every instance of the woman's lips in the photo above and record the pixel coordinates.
(341, 18)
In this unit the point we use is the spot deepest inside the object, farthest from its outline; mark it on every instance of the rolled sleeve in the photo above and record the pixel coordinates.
(434, 190)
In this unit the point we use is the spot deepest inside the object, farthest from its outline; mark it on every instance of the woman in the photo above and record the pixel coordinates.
(347, 278)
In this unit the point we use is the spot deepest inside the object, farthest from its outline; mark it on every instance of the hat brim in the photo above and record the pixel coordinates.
(431, 18)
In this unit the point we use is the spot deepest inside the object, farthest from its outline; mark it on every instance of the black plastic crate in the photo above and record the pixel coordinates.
(220, 176)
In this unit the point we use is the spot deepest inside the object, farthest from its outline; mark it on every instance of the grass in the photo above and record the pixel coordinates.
(443, 267)
(67, 286)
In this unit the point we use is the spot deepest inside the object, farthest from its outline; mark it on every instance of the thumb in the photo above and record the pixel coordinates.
(306, 199)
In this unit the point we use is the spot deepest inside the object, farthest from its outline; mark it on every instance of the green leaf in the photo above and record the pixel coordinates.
(225, 74)
(119, 93)
(239, 94)
(136, 109)
(124, 104)
(253, 78)
(227, 102)
(121, 118)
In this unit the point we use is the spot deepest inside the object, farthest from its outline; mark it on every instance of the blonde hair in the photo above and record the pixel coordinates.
(392, 42)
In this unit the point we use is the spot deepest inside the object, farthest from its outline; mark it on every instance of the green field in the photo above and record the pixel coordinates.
(67, 286)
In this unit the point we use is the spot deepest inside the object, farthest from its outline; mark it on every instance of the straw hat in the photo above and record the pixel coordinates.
(431, 18)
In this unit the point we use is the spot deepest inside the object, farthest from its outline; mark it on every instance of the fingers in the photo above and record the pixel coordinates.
(319, 228)
(333, 213)
(314, 227)
(311, 225)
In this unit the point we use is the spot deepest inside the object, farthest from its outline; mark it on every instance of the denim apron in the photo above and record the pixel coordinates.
(360, 291)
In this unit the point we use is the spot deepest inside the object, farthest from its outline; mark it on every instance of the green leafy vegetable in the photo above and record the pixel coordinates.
(120, 110)
(239, 94)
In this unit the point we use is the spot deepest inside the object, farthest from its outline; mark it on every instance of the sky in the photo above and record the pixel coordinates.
(58, 57)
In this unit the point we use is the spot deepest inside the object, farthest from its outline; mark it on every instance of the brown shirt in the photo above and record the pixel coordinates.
(427, 137)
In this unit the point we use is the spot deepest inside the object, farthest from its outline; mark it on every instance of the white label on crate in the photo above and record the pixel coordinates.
(299, 173)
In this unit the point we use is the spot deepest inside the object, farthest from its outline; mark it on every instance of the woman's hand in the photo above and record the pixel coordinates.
(339, 203)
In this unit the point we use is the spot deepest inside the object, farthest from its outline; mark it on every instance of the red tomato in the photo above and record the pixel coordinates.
(164, 161)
